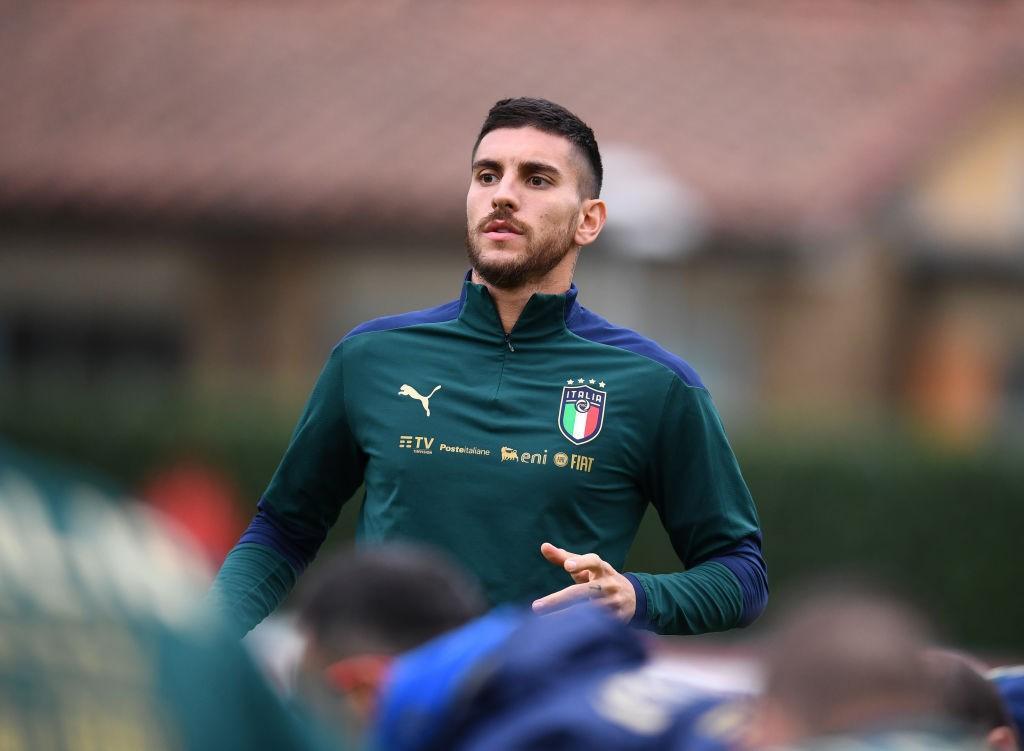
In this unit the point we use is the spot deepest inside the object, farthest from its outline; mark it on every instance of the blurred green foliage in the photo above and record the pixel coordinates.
(943, 529)
(946, 528)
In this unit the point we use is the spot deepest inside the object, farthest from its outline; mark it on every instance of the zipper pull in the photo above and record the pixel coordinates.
(508, 341)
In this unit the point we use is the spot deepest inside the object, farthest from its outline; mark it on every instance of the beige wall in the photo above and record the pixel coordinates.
(972, 192)
(825, 329)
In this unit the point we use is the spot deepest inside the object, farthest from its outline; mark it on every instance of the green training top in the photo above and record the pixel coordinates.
(486, 445)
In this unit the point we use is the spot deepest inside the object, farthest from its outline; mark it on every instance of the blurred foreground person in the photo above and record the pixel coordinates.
(848, 670)
(102, 645)
(365, 607)
(571, 681)
(1009, 682)
(972, 700)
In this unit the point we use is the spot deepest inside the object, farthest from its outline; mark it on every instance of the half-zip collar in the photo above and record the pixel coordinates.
(543, 316)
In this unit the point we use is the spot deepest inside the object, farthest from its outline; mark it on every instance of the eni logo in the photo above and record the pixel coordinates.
(412, 393)
(523, 457)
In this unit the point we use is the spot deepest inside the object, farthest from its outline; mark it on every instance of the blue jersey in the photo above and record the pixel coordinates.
(574, 680)
(1010, 684)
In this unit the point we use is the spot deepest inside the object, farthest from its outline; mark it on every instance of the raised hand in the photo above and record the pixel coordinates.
(595, 580)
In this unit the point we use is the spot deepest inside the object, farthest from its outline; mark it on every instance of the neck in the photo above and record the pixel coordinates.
(510, 302)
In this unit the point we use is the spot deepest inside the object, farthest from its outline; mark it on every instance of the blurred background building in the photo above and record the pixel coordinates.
(820, 204)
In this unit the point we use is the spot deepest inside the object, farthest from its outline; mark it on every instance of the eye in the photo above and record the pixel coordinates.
(538, 181)
(487, 178)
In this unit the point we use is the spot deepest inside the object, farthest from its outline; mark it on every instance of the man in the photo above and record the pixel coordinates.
(102, 642)
(847, 668)
(971, 699)
(513, 417)
(362, 610)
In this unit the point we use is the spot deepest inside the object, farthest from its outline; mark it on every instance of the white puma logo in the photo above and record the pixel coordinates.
(408, 390)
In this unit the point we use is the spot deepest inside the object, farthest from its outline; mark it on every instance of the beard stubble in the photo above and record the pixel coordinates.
(536, 262)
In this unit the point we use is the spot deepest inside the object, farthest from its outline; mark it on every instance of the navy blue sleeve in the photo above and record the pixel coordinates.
(640, 613)
(293, 545)
(747, 564)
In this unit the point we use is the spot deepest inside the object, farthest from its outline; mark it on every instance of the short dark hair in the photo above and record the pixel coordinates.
(386, 599)
(549, 117)
(966, 695)
(834, 648)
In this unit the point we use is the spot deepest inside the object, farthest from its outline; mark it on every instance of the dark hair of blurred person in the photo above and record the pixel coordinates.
(367, 605)
(843, 662)
(548, 117)
(970, 699)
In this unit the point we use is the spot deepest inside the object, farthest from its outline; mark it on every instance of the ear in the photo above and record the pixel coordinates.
(593, 214)
(1001, 738)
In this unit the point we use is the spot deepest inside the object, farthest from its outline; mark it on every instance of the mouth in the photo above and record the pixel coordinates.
(501, 229)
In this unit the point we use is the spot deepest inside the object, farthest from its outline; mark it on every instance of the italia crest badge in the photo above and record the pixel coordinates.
(581, 412)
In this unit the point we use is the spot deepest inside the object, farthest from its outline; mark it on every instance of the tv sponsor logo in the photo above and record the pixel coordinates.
(418, 443)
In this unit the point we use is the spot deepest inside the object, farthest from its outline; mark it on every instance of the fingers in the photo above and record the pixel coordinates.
(565, 597)
(561, 557)
(573, 563)
(594, 579)
(597, 594)
(555, 555)
(589, 562)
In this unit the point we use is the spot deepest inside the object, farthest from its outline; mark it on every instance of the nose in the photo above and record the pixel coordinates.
(505, 196)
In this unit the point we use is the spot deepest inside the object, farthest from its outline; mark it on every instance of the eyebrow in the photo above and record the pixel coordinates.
(524, 167)
(527, 167)
(486, 164)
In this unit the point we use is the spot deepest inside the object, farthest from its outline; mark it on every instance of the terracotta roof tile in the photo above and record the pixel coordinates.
(780, 115)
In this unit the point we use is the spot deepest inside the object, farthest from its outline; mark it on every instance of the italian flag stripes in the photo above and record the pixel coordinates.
(580, 424)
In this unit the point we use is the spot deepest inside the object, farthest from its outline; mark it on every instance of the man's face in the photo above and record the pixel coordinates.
(523, 205)
(342, 692)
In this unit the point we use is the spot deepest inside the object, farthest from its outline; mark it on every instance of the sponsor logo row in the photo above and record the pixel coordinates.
(426, 445)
